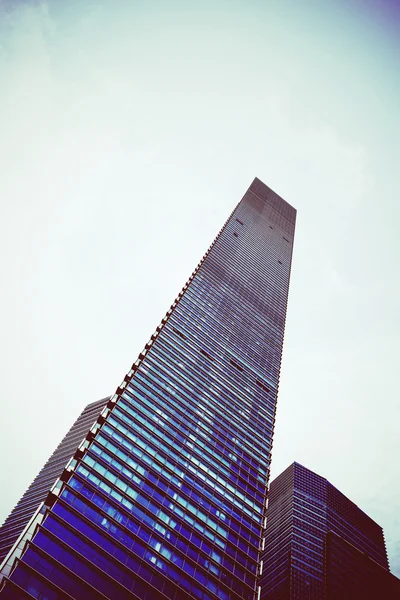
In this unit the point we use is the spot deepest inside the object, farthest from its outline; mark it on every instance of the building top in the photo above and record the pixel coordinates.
(342, 515)
(335, 498)
(273, 200)
(309, 482)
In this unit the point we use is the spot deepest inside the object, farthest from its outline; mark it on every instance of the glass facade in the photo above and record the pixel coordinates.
(304, 512)
(166, 496)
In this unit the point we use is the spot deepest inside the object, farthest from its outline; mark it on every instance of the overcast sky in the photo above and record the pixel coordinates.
(128, 132)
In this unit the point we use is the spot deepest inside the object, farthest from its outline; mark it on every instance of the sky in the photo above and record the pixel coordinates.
(129, 130)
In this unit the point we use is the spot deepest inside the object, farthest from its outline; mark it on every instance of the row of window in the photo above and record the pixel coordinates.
(214, 335)
(194, 387)
(147, 535)
(131, 474)
(242, 294)
(238, 549)
(168, 431)
(221, 377)
(212, 281)
(164, 534)
(258, 348)
(250, 279)
(217, 439)
(226, 342)
(123, 435)
(256, 266)
(151, 389)
(252, 509)
(219, 372)
(128, 489)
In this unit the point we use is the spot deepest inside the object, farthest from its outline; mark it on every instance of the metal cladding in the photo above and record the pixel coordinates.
(167, 496)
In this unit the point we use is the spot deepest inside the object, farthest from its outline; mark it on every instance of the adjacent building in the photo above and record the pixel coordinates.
(353, 574)
(166, 496)
(32, 501)
(318, 545)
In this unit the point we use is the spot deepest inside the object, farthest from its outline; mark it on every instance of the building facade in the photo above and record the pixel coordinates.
(35, 495)
(312, 531)
(352, 574)
(166, 497)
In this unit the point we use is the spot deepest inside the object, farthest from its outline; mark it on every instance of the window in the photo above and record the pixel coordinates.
(180, 333)
(236, 365)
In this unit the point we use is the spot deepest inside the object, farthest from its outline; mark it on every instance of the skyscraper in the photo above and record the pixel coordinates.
(166, 496)
(318, 544)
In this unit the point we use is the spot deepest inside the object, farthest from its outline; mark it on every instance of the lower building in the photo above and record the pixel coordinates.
(318, 544)
(32, 500)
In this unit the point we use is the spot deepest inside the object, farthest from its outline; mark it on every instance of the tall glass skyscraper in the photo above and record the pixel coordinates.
(166, 496)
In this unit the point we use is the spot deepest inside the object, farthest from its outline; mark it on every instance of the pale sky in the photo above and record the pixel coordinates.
(128, 132)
